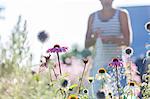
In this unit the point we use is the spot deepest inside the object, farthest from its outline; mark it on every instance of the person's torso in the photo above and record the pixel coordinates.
(110, 27)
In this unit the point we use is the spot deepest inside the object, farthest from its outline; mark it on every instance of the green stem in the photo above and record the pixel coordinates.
(81, 78)
(93, 92)
(54, 73)
(117, 80)
(59, 63)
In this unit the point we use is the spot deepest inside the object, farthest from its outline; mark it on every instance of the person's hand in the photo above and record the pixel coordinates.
(98, 33)
(108, 39)
(105, 39)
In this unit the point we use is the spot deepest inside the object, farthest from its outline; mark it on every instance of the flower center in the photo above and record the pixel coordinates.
(101, 71)
(56, 46)
(131, 84)
(64, 83)
(115, 60)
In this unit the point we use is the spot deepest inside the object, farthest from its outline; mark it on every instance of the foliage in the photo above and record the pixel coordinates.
(18, 81)
(146, 84)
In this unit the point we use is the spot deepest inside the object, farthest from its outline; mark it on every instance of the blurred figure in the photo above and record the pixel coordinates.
(108, 30)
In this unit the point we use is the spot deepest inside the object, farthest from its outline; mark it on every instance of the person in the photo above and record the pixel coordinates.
(108, 30)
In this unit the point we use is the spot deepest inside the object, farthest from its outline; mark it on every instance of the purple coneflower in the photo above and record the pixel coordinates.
(57, 49)
(116, 62)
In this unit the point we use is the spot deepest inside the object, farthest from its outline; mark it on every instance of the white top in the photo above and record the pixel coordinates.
(110, 27)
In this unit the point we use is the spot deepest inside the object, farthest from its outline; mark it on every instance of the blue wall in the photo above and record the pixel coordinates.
(139, 15)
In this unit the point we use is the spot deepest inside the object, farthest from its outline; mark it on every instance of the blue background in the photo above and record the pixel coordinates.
(139, 16)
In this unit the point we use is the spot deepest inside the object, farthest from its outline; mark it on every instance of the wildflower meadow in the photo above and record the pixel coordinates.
(67, 75)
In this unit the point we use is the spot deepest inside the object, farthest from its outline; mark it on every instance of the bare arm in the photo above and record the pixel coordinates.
(124, 21)
(90, 37)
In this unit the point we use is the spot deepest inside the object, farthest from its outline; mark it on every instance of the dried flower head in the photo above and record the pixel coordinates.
(64, 83)
(42, 36)
(100, 95)
(85, 60)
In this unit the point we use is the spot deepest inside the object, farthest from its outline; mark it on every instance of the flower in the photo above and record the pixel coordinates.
(132, 83)
(128, 51)
(57, 49)
(144, 84)
(64, 83)
(132, 88)
(101, 71)
(44, 60)
(90, 79)
(85, 60)
(72, 96)
(116, 62)
(85, 91)
(44, 63)
(42, 36)
(102, 75)
(147, 27)
(100, 95)
(110, 95)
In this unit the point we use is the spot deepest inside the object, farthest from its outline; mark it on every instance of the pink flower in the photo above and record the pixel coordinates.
(57, 49)
(116, 62)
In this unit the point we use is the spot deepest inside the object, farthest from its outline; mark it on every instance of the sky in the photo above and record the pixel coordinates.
(64, 20)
